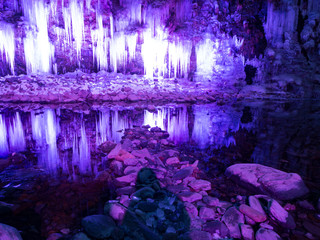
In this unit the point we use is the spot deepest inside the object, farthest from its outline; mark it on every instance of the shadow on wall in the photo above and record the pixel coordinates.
(154, 212)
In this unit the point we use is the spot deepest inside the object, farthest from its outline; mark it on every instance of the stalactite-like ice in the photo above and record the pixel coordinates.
(84, 152)
(45, 129)
(205, 57)
(281, 20)
(7, 44)
(16, 134)
(174, 121)
(39, 52)
(4, 149)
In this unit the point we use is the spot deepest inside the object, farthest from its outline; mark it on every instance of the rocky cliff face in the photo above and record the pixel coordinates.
(178, 38)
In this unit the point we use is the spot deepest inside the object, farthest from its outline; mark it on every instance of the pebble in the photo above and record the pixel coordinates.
(252, 213)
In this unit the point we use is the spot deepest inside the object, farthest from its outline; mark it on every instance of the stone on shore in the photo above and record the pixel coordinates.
(232, 218)
(267, 234)
(9, 233)
(267, 180)
(252, 213)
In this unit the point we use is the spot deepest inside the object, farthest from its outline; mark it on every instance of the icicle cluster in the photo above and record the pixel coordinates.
(7, 44)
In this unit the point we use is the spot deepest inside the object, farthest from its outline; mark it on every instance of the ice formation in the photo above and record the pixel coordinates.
(4, 149)
(16, 134)
(7, 44)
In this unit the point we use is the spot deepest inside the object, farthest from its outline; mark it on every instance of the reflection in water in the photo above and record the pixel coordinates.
(173, 120)
(65, 140)
(16, 134)
(4, 149)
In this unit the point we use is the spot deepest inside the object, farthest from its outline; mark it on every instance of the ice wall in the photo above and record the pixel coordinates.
(7, 44)
(16, 134)
(4, 148)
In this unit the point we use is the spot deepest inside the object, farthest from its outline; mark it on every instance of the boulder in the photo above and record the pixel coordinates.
(98, 226)
(9, 233)
(267, 180)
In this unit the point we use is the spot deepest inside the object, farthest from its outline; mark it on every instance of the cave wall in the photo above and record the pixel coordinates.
(176, 38)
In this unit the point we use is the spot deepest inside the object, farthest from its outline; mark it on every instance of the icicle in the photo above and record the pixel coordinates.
(84, 152)
(118, 54)
(179, 58)
(205, 55)
(4, 149)
(74, 24)
(7, 44)
(16, 135)
(38, 50)
(103, 127)
(45, 128)
(118, 125)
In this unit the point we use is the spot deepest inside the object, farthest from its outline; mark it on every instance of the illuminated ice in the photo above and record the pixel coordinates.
(7, 44)
(84, 152)
(45, 129)
(205, 57)
(4, 149)
(174, 121)
(39, 52)
(16, 134)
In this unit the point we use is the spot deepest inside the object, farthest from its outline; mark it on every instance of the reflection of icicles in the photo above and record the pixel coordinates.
(84, 152)
(174, 121)
(4, 150)
(16, 135)
(111, 131)
(7, 44)
(201, 133)
(81, 152)
(45, 128)
(38, 50)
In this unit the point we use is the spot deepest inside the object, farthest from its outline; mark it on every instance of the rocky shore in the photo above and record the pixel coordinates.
(158, 195)
(110, 87)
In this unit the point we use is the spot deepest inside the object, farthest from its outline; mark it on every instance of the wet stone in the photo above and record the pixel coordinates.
(232, 218)
(252, 213)
(247, 232)
(211, 201)
(98, 226)
(255, 204)
(189, 196)
(263, 234)
(199, 235)
(183, 173)
(200, 185)
(280, 215)
(114, 210)
(216, 227)
(207, 213)
(7, 232)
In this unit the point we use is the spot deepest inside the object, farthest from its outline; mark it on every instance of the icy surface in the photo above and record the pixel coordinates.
(7, 44)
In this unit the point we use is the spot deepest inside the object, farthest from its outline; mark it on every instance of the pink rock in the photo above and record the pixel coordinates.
(115, 210)
(199, 185)
(252, 213)
(131, 161)
(191, 209)
(123, 155)
(189, 196)
(127, 179)
(143, 153)
(172, 160)
(255, 204)
(207, 213)
(115, 151)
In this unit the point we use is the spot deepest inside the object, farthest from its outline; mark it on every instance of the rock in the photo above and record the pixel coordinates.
(216, 227)
(280, 215)
(114, 210)
(191, 209)
(172, 160)
(189, 196)
(306, 205)
(312, 228)
(247, 232)
(264, 234)
(255, 204)
(183, 173)
(115, 151)
(80, 236)
(53, 236)
(207, 213)
(123, 155)
(130, 161)
(143, 153)
(199, 185)
(211, 201)
(266, 226)
(252, 213)
(232, 218)
(127, 145)
(9, 233)
(249, 221)
(267, 180)
(116, 167)
(98, 226)
(127, 179)
(199, 235)
(146, 206)
(107, 146)
(125, 190)
(145, 192)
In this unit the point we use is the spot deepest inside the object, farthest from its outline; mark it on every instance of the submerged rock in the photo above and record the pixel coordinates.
(267, 180)
(9, 233)
(98, 226)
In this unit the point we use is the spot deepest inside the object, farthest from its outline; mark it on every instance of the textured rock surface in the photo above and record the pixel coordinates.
(98, 226)
(267, 180)
(9, 233)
